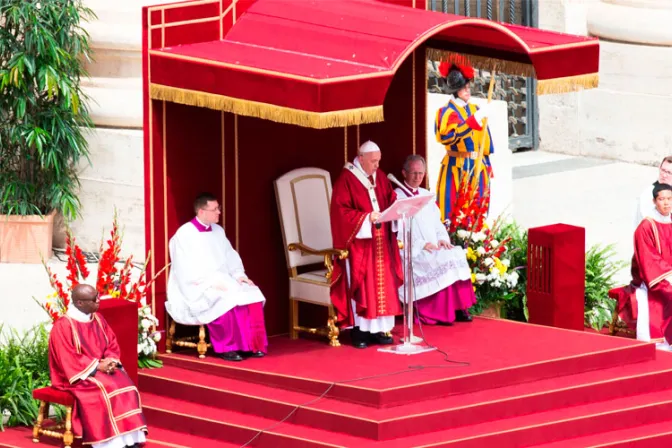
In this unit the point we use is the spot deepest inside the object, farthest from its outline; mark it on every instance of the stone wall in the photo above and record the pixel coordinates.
(627, 117)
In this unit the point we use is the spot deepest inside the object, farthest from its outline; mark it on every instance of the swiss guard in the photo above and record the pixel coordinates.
(459, 128)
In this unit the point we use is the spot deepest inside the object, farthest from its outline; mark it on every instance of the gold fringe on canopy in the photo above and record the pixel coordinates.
(279, 114)
(482, 62)
(568, 84)
(544, 86)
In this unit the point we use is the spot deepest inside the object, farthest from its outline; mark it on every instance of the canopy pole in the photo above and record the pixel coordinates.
(478, 166)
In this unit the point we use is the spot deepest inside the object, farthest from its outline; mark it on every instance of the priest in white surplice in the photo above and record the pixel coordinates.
(208, 285)
(644, 207)
(441, 274)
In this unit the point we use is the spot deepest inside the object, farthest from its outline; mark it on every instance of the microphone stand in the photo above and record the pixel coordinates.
(409, 290)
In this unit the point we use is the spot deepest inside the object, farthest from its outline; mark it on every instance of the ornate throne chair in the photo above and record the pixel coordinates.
(304, 198)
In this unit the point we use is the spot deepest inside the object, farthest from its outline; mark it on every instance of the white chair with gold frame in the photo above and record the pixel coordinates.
(304, 198)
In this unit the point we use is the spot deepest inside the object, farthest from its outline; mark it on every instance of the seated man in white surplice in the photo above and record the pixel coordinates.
(208, 285)
(441, 274)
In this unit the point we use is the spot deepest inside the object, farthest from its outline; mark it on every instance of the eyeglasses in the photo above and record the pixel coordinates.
(417, 173)
(217, 209)
(666, 172)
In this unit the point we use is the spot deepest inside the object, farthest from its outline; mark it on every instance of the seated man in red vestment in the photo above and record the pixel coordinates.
(652, 271)
(84, 360)
(208, 285)
(364, 287)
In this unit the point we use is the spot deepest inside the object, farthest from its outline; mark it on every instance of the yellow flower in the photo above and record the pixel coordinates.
(115, 294)
(500, 266)
(473, 278)
(471, 255)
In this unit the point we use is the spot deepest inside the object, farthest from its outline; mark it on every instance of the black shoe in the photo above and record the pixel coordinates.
(358, 338)
(257, 354)
(381, 339)
(230, 356)
(462, 316)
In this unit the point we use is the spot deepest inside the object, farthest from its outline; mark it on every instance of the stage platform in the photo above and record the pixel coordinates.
(505, 384)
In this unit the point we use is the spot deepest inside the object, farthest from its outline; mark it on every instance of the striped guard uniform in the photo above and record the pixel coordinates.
(460, 133)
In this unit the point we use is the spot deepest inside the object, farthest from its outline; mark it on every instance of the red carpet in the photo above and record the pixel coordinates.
(525, 385)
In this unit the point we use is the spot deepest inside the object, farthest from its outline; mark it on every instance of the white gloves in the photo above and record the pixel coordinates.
(483, 112)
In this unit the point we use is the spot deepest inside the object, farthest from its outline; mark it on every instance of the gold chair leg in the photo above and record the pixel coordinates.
(171, 335)
(68, 437)
(202, 345)
(38, 424)
(614, 321)
(293, 319)
(333, 329)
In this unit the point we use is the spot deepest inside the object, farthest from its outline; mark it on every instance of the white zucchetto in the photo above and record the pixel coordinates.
(368, 146)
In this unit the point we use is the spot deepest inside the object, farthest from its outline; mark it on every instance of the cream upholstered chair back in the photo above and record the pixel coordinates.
(304, 198)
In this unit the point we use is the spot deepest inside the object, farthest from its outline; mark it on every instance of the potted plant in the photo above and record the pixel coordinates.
(42, 119)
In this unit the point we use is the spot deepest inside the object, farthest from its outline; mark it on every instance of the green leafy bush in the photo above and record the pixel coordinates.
(24, 366)
(42, 108)
(515, 305)
(600, 271)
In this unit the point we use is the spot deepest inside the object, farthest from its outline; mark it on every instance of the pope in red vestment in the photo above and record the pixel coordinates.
(652, 271)
(84, 360)
(364, 287)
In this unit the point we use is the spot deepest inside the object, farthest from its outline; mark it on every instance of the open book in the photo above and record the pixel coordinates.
(406, 206)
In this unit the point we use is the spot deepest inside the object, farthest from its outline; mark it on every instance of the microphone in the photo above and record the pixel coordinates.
(402, 186)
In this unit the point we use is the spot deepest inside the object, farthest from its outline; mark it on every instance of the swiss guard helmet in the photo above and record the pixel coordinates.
(457, 76)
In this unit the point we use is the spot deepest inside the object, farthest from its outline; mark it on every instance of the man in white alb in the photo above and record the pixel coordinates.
(441, 274)
(645, 207)
(208, 285)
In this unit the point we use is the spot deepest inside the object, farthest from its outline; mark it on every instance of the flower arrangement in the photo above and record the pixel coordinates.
(491, 274)
(111, 282)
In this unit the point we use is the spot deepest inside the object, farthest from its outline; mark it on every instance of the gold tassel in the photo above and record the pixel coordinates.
(279, 114)
(568, 84)
(482, 62)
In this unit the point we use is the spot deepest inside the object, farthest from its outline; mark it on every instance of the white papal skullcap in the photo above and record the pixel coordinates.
(368, 146)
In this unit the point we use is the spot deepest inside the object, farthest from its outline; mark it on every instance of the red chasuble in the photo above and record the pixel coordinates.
(107, 405)
(375, 265)
(651, 263)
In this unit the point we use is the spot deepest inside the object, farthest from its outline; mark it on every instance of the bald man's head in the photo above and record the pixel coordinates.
(85, 298)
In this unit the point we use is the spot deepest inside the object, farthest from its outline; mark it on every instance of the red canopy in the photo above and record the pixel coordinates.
(329, 63)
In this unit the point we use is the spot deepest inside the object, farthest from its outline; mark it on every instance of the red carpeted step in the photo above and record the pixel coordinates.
(398, 379)
(425, 416)
(161, 438)
(645, 436)
(556, 425)
(538, 428)
(237, 428)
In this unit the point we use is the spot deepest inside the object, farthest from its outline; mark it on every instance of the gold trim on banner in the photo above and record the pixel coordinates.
(164, 144)
(482, 62)
(151, 168)
(235, 165)
(223, 171)
(345, 140)
(267, 111)
(544, 86)
(181, 5)
(414, 132)
(568, 84)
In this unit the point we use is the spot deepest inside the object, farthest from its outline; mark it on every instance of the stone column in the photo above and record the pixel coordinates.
(627, 117)
(115, 176)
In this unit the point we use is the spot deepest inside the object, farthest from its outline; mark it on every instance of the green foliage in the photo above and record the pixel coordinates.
(515, 306)
(42, 108)
(600, 271)
(149, 362)
(24, 366)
